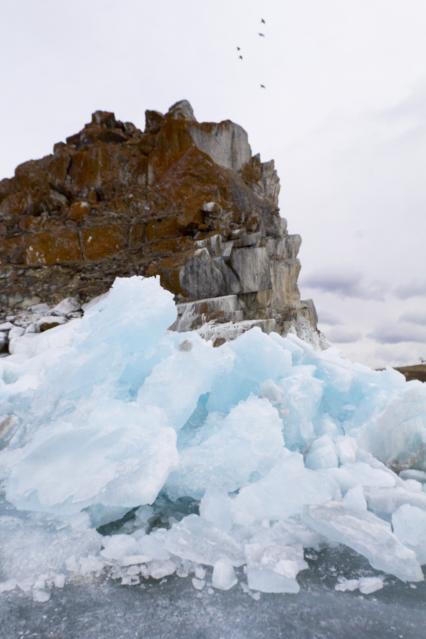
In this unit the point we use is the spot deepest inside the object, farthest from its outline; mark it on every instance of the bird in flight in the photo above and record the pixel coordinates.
(241, 57)
(238, 48)
(262, 35)
(262, 86)
(263, 21)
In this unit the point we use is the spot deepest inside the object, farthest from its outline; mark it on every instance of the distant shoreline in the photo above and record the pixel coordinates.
(415, 371)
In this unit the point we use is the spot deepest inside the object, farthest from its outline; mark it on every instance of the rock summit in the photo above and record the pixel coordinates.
(183, 199)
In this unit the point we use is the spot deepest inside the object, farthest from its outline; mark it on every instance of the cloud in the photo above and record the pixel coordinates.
(414, 317)
(397, 354)
(325, 317)
(412, 106)
(341, 335)
(344, 285)
(398, 334)
(415, 288)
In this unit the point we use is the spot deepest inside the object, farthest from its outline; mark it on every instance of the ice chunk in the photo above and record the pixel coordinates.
(409, 525)
(274, 568)
(346, 449)
(302, 394)
(159, 569)
(363, 474)
(41, 596)
(215, 507)
(198, 583)
(244, 444)
(291, 532)
(384, 501)
(171, 383)
(366, 534)
(35, 547)
(223, 577)
(200, 572)
(195, 539)
(398, 435)
(66, 306)
(412, 473)
(283, 492)
(7, 586)
(118, 547)
(346, 585)
(258, 357)
(59, 580)
(154, 545)
(366, 585)
(112, 454)
(355, 499)
(321, 454)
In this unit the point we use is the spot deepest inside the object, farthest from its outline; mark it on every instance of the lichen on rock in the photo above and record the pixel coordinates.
(182, 199)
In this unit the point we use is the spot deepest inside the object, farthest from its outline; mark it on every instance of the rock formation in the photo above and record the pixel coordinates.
(183, 200)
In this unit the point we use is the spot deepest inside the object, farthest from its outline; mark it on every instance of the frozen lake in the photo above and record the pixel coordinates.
(173, 609)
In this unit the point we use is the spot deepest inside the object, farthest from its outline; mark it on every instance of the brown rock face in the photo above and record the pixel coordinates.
(182, 199)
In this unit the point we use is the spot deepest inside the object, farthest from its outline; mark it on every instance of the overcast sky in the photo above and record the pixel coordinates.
(343, 115)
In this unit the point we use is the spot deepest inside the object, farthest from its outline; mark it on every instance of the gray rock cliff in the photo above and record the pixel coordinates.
(184, 200)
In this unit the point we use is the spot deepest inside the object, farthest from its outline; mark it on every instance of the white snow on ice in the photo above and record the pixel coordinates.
(232, 461)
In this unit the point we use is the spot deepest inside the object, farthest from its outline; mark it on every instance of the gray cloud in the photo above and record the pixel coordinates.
(341, 335)
(413, 106)
(414, 317)
(344, 285)
(398, 334)
(415, 288)
(326, 317)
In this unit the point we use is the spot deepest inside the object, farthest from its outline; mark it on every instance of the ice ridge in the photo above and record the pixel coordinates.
(223, 463)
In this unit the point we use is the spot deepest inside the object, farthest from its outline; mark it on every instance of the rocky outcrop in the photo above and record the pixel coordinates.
(183, 200)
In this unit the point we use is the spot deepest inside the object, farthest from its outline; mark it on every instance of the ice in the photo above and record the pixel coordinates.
(119, 547)
(66, 307)
(223, 577)
(384, 501)
(409, 525)
(201, 542)
(113, 450)
(412, 473)
(274, 568)
(346, 448)
(198, 583)
(41, 596)
(35, 549)
(368, 535)
(283, 492)
(322, 454)
(397, 436)
(238, 458)
(245, 443)
(355, 499)
(346, 585)
(215, 507)
(366, 585)
(361, 473)
(272, 361)
(172, 384)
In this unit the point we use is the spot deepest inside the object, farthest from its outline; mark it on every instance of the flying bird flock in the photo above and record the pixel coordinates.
(239, 52)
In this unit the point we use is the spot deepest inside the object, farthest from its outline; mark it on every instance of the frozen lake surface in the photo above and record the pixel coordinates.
(173, 609)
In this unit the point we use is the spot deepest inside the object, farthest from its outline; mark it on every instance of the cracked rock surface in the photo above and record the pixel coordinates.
(184, 200)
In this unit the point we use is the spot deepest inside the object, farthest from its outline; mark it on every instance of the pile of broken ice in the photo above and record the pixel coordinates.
(224, 463)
